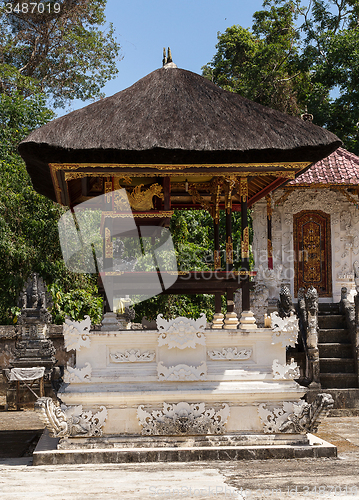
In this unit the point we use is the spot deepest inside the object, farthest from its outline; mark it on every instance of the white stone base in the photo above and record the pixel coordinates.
(247, 321)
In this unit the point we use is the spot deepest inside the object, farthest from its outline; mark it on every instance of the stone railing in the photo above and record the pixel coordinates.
(351, 314)
(308, 323)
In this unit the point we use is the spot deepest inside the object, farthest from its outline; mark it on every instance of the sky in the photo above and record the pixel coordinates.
(188, 27)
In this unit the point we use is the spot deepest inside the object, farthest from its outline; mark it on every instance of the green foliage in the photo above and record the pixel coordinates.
(297, 55)
(29, 238)
(67, 55)
(76, 304)
(170, 306)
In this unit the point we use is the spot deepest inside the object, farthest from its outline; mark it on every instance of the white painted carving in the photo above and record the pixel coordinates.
(300, 200)
(182, 372)
(292, 417)
(76, 334)
(285, 372)
(132, 356)
(230, 353)
(285, 330)
(181, 332)
(183, 418)
(70, 420)
(345, 274)
(271, 278)
(78, 375)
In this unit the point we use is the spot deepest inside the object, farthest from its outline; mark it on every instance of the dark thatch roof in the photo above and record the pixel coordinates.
(172, 116)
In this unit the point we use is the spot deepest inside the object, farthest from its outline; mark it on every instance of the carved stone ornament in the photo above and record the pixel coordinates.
(285, 372)
(183, 418)
(70, 421)
(78, 375)
(181, 332)
(132, 356)
(308, 199)
(285, 304)
(76, 334)
(229, 353)
(295, 418)
(285, 330)
(182, 372)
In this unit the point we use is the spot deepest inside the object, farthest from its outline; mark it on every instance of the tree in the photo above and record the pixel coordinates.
(28, 221)
(297, 57)
(60, 49)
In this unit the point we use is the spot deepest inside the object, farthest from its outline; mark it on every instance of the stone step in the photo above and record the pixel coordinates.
(331, 321)
(343, 398)
(336, 365)
(338, 380)
(329, 308)
(335, 350)
(333, 335)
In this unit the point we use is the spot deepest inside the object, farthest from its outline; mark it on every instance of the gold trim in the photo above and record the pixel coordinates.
(180, 166)
(229, 251)
(108, 244)
(148, 215)
(245, 243)
(243, 189)
(217, 259)
(269, 206)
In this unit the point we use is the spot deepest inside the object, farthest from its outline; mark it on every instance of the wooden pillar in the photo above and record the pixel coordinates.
(167, 193)
(244, 245)
(269, 231)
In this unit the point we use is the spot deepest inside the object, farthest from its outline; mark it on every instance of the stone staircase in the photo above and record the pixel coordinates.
(337, 368)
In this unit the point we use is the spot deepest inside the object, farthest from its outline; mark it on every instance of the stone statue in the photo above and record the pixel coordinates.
(285, 304)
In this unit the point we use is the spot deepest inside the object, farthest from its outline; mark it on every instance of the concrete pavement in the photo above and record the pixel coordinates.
(259, 480)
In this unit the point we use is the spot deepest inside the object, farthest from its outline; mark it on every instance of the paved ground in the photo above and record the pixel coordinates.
(258, 480)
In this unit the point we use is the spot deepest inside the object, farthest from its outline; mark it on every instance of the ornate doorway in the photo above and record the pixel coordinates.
(312, 247)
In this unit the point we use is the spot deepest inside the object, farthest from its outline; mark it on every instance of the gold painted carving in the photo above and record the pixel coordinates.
(217, 259)
(229, 186)
(245, 244)
(142, 200)
(182, 166)
(229, 251)
(269, 206)
(149, 215)
(243, 189)
(108, 244)
(108, 191)
(269, 248)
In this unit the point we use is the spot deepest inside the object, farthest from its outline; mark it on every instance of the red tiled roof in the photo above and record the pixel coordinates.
(341, 167)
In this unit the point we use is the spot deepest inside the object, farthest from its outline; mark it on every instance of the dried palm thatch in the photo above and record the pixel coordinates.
(173, 116)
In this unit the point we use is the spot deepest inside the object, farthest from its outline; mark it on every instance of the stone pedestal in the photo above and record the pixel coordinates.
(109, 322)
(231, 321)
(217, 322)
(247, 321)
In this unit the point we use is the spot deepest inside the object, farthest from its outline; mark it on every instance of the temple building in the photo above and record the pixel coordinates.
(181, 390)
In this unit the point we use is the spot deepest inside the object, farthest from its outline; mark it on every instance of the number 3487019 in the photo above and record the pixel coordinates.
(33, 8)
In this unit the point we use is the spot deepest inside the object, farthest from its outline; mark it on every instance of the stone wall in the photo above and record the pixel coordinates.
(344, 222)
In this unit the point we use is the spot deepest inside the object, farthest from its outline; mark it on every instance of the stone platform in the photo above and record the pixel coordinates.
(176, 449)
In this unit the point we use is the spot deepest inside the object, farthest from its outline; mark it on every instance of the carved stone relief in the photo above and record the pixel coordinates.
(78, 375)
(296, 418)
(76, 334)
(229, 353)
(70, 421)
(182, 372)
(183, 418)
(285, 330)
(285, 372)
(181, 332)
(132, 356)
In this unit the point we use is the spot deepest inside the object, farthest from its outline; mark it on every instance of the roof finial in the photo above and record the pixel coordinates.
(307, 117)
(169, 55)
(167, 60)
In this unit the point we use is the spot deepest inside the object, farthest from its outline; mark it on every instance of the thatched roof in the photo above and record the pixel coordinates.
(172, 116)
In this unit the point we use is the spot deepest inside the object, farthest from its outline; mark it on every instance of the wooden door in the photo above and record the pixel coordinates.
(312, 247)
